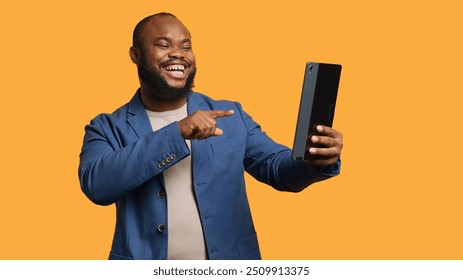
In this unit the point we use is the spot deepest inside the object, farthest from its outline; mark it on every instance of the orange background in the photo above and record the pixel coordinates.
(399, 107)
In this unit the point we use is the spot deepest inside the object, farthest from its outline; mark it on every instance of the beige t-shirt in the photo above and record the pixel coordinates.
(185, 234)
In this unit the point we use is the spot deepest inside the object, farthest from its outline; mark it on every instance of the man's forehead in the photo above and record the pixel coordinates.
(167, 25)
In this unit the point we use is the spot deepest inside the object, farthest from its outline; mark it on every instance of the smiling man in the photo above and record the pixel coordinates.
(173, 160)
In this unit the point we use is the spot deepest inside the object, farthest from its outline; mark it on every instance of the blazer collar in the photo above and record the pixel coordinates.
(196, 103)
(138, 118)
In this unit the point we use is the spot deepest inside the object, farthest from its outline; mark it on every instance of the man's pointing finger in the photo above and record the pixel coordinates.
(221, 113)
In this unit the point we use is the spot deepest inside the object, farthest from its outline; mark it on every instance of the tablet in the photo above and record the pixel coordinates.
(318, 101)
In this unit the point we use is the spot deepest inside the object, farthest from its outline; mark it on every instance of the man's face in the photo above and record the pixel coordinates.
(167, 64)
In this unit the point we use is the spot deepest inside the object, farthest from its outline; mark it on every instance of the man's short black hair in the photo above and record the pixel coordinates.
(136, 39)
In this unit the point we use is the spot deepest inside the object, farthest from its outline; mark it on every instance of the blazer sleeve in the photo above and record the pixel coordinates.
(109, 169)
(271, 163)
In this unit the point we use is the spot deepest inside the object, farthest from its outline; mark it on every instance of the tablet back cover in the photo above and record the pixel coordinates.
(318, 101)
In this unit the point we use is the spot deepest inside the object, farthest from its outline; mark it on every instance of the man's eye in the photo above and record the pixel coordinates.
(162, 46)
(186, 48)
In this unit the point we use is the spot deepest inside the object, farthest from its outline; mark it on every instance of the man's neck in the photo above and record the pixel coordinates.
(159, 105)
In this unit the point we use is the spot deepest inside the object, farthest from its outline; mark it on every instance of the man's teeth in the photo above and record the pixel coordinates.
(175, 68)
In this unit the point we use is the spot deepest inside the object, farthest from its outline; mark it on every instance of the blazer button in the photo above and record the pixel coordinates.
(161, 228)
(160, 165)
(161, 194)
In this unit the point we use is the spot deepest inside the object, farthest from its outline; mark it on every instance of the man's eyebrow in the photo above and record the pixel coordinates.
(186, 40)
(165, 38)
(169, 39)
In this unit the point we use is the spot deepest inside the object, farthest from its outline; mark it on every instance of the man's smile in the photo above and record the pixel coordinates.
(176, 71)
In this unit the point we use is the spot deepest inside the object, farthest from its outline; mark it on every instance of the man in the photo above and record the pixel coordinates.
(173, 160)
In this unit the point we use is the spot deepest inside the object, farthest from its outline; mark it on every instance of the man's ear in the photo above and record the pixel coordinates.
(134, 55)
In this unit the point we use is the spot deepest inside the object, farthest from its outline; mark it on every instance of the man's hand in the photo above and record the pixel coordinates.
(331, 140)
(201, 124)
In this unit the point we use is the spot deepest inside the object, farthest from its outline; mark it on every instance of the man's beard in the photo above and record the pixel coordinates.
(159, 86)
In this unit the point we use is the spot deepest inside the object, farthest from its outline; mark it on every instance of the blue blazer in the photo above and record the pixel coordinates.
(122, 161)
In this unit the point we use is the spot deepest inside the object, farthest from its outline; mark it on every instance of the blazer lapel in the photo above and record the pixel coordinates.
(198, 148)
(137, 116)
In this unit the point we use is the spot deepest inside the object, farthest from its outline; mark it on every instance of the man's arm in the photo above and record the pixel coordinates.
(271, 163)
(108, 171)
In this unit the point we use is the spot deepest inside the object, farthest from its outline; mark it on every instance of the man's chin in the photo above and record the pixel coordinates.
(165, 88)
(177, 86)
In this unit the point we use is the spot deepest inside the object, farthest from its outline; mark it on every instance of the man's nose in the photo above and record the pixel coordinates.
(176, 53)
